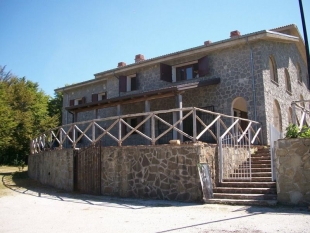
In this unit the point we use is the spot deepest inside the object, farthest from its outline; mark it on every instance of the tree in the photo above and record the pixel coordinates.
(55, 106)
(24, 114)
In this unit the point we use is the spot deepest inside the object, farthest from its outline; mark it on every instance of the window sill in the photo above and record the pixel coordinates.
(274, 82)
(288, 92)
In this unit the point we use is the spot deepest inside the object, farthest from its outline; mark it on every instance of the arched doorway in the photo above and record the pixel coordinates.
(277, 121)
(239, 109)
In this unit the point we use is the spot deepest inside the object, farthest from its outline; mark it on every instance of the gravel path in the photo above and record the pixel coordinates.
(34, 208)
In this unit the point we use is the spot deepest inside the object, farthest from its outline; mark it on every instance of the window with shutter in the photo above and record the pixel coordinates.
(94, 97)
(123, 83)
(84, 100)
(71, 102)
(102, 96)
(203, 66)
(165, 72)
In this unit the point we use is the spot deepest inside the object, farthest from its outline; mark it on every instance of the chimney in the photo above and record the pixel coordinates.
(235, 34)
(208, 42)
(121, 64)
(139, 57)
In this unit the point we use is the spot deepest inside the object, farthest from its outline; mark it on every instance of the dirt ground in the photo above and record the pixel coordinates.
(27, 206)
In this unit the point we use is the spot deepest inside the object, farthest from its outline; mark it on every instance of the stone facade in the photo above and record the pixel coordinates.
(292, 161)
(166, 172)
(54, 168)
(232, 64)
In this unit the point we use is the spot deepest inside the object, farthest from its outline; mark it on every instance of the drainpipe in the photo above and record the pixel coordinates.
(253, 79)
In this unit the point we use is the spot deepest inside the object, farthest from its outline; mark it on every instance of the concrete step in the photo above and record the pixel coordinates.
(254, 170)
(259, 158)
(242, 202)
(245, 196)
(260, 165)
(245, 190)
(241, 173)
(253, 179)
(261, 161)
(247, 184)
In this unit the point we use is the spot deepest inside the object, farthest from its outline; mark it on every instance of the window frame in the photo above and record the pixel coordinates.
(194, 72)
(288, 84)
(299, 74)
(273, 70)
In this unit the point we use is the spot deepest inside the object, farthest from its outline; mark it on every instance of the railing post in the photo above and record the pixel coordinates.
(120, 132)
(220, 149)
(93, 132)
(250, 157)
(194, 125)
(60, 139)
(73, 137)
(153, 129)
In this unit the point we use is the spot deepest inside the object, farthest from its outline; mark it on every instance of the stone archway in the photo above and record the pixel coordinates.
(239, 109)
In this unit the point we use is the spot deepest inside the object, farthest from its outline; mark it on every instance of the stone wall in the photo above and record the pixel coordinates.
(161, 172)
(166, 172)
(286, 56)
(54, 168)
(292, 161)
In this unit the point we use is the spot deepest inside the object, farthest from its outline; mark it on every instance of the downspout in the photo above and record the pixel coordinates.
(253, 79)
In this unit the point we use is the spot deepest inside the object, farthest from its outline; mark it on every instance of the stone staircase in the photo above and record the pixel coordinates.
(260, 190)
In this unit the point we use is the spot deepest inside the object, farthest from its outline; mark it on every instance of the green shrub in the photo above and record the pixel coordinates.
(292, 131)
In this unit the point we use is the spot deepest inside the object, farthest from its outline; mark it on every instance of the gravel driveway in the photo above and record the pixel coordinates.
(29, 207)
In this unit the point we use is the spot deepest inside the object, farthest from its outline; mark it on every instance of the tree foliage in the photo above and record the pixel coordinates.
(24, 113)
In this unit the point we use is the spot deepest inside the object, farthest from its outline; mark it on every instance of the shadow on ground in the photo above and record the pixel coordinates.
(20, 182)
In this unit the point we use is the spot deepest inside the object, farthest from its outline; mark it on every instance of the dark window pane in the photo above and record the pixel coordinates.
(189, 73)
(133, 83)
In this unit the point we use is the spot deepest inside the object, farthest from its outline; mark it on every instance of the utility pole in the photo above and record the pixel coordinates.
(306, 39)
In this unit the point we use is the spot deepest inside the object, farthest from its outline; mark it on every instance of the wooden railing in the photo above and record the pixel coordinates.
(300, 113)
(92, 131)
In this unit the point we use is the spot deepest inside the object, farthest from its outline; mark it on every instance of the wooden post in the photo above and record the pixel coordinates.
(180, 115)
(147, 128)
(93, 132)
(194, 125)
(119, 112)
(174, 119)
(153, 128)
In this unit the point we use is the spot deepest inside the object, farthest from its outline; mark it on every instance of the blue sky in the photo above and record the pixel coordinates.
(60, 42)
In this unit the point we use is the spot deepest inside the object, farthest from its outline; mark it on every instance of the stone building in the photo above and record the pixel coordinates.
(254, 76)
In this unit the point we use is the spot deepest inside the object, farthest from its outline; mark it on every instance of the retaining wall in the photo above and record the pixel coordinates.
(54, 168)
(161, 172)
(292, 161)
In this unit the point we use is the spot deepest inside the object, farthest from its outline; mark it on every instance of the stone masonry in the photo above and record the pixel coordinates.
(292, 161)
(166, 172)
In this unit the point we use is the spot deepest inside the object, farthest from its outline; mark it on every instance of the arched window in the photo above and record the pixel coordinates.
(273, 69)
(288, 81)
(299, 74)
(290, 114)
(277, 120)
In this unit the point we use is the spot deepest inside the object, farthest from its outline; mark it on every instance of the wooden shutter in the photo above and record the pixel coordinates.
(71, 102)
(84, 100)
(165, 72)
(123, 83)
(203, 66)
(94, 97)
